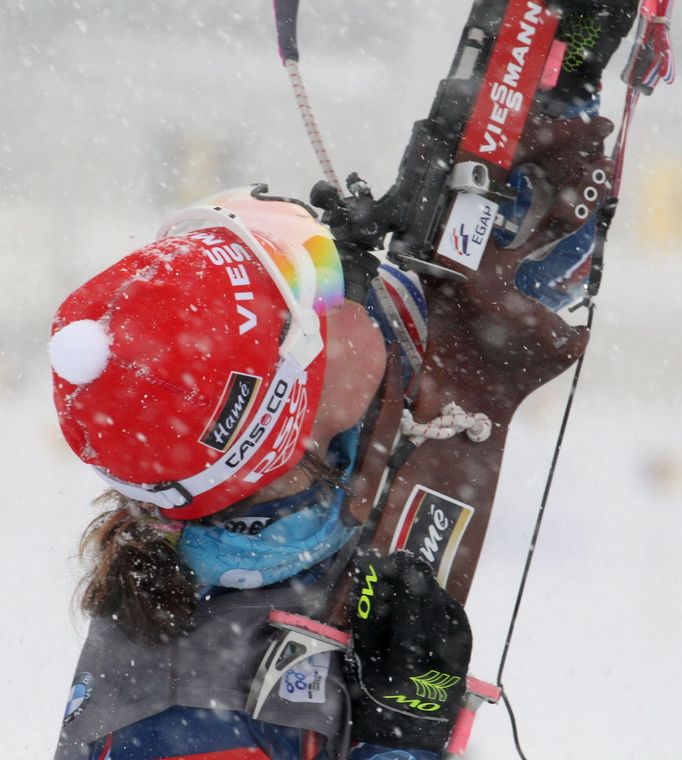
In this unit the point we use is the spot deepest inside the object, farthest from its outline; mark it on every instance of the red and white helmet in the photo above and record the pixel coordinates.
(189, 373)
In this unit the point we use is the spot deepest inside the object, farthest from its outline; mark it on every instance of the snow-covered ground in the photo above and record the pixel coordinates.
(114, 115)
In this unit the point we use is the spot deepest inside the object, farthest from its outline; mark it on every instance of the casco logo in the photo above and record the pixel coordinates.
(287, 438)
(365, 601)
(231, 257)
(276, 398)
(233, 408)
(266, 420)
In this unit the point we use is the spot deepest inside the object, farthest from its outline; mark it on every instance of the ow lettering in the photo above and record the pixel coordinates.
(365, 602)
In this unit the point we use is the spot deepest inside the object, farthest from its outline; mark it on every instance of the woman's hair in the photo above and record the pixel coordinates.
(318, 470)
(136, 576)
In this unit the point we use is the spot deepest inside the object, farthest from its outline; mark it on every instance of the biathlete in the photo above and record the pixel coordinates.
(218, 380)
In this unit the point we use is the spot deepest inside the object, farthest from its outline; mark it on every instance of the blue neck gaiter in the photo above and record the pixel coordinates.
(286, 547)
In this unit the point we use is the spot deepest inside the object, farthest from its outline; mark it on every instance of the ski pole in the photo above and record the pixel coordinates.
(478, 692)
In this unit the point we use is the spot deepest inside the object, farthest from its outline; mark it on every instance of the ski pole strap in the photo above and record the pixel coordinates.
(651, 60)
(618, 155)
(309, 122)
(286, 12)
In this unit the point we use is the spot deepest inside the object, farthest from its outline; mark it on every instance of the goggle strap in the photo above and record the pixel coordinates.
(180, 493)
(225, 218)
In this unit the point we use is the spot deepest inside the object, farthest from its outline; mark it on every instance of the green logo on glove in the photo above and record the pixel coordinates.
(433, 685)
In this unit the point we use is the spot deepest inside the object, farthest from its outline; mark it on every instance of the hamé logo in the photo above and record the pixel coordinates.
(232, 412)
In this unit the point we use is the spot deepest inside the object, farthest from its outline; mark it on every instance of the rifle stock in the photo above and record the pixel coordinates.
(485, 358)
(489, 345)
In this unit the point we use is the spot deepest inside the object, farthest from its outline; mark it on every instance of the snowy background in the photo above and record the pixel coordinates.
(115, 114)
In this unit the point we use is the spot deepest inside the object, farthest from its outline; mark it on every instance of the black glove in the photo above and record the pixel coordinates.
(592, 31)
(409, 654)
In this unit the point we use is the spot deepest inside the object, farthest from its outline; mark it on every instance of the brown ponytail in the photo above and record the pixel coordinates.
(136, 575)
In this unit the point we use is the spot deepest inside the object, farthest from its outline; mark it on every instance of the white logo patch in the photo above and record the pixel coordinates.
(468, 228)
(305, 681)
